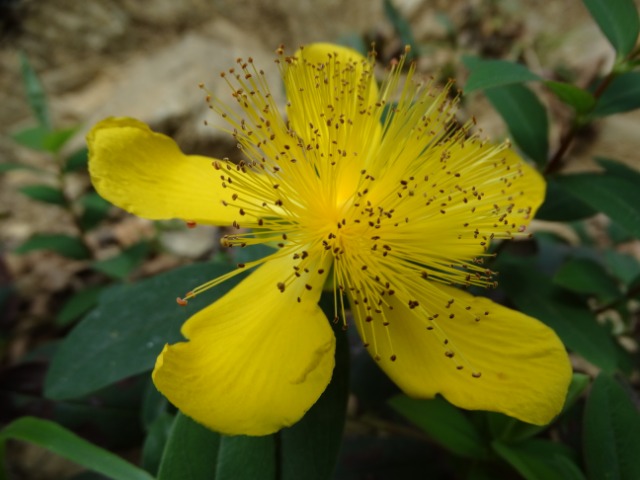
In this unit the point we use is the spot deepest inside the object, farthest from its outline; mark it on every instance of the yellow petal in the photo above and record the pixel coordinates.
(256, 360)
(145, 173)
(521, 368)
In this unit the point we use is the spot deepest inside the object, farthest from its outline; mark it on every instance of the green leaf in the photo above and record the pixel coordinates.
(9, 167)
(560, 206)
(57, 139)
(190, 453)
(125, 333)
(525, 117)
(45, 194)
(62, 442)
(247, 458)
(95, 210)
(155, 442)
(79, 304)
(487, 74)
(533, 293)
(65, 245)
(577, 98)
(402, 27)
(538, 459)
(32, 137)
(625, 267)
(616, 196)
(611, 431)
(121, 265)
(622, 95)
(585, 276)
(618, 20)
(77, 161)
(309, 449)
(444, 423)
(35, 93)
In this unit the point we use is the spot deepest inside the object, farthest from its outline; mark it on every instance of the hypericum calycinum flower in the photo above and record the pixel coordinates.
(392, 203)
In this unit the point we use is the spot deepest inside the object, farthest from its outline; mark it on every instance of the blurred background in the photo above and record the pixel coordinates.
(145, 59)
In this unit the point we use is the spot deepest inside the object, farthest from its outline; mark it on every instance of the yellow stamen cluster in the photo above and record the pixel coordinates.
(382, 190)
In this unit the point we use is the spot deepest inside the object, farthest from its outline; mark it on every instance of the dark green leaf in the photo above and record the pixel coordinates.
(45, 194)
(154, 404)
(35, 93)
(444, 423)
(77, 161)
(65, 245)
(79, 304)
(560, 206)
(121, 265)
(618, 20)
(577, 98)
(525, 117)
(309, 448)
(585, 276)
(155, 442)
(8, 167)
(57, 439)
(401, 26)
(533, 293)
(190, 453)
(538, 459)
(611, 432)
(616, 196)
(95, 210)
(487, 74)
(126, 332)
(622, 95)
(247, 458)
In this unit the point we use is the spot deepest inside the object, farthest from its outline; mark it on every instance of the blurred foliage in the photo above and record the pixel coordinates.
(586, 292)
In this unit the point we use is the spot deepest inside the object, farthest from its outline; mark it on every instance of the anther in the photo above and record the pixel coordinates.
(182, 302)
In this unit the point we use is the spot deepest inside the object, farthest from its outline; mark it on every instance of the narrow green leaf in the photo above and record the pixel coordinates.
(577, 98)
(622, 95)
(45, 194)
(401, 26)
(533, 293)
(247, 458)
(538, 459)
(155, 442)
(487, 74)
(35, 93)
(121, 265)
(618, 20)
(9, 167)
(611, 431)
(79, 304)
(444, 423)
(62, 442)
(65, 245)
(57, 139)
(560, 206)
(309, 449)
(125, 333)
(617, 197)
(526, 119)
(191, 452)
(585, 276)
(32, 137)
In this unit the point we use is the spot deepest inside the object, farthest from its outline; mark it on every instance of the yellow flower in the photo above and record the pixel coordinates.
(374, 190)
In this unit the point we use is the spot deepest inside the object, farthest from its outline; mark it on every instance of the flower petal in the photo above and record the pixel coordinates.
(256, 360)
(523, 368)
(145, 173)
